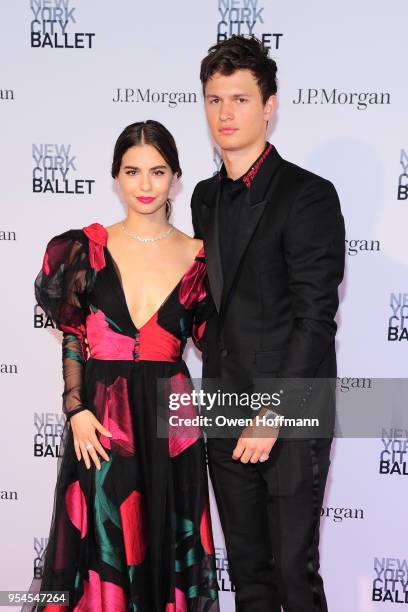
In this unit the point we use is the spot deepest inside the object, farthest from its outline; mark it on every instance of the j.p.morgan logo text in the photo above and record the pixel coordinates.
(403, 177)
(6, 94)
(53, 168)
(51, 25)
(244, 17)
(7, 236)
(48, 428)
(149, 96)
(390, 582)
(337, 515)
(398, 319)
(360, 101)
(394, 453)
(354, 247)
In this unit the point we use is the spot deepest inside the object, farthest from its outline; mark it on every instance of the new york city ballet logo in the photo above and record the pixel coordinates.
(403, 177)
(53, 23)
(55, 169)
(245, 17)
(398, 319)
(394, 453)
(390, 580)
(41, 320)
(222, 569)
(39, 548)
(359, 100)
(48, 428)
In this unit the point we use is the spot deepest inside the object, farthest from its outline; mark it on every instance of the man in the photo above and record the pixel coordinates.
(274, 242)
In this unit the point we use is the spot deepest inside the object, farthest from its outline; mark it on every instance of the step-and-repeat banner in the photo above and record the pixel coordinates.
(73, 74)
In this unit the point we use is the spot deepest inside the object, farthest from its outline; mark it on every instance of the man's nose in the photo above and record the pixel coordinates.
(226, 111)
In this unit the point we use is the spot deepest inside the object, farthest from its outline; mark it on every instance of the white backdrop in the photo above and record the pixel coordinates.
(57, 91)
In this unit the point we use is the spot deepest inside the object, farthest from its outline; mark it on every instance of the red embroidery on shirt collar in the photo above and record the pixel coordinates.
(250, 175)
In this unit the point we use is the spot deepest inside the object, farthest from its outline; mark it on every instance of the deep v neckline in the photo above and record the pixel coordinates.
(119, 277)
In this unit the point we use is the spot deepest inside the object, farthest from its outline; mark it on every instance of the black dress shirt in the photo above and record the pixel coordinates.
(232, 199)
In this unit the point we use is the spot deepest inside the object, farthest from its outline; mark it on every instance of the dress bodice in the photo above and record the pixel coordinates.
(79, 287)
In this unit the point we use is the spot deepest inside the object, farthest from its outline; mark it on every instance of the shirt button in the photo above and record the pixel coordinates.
(224, 352)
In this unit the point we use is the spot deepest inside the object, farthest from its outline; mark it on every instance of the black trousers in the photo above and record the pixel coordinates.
(270, 514)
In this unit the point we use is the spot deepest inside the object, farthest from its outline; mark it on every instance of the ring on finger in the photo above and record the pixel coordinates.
(264, 457)
(88, 446)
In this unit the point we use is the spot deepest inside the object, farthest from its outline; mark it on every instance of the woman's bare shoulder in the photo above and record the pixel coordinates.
(114, 228)
(193, 245)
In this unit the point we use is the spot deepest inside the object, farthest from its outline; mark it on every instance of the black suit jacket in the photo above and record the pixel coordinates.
(275, 305)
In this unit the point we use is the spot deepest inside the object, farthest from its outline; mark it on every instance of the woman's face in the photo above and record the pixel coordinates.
(144, 179)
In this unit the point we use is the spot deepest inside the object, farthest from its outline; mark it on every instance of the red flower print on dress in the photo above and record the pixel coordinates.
(113, 400)
(206, 531)
(134, 529)
(101, 595)
(76, 507)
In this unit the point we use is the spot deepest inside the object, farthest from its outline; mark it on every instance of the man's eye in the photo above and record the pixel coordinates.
(214, 101)
(242, 100)
(131, 172)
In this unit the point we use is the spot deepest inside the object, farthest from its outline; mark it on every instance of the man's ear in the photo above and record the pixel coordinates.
(270, 106)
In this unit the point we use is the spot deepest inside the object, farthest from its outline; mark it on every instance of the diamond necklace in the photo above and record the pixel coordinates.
(141, 239)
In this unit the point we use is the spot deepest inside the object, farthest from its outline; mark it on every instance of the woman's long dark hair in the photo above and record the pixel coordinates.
(151, 133)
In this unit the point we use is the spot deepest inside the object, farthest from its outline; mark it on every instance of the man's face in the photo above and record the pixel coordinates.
(236, 114)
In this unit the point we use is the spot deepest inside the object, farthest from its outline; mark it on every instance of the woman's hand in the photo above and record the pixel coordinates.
(84, 425)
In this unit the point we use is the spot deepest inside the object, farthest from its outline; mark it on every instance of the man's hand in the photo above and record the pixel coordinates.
(255, 443)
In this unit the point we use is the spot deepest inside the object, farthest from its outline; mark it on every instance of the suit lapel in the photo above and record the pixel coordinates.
(252, 210)
(210, 222)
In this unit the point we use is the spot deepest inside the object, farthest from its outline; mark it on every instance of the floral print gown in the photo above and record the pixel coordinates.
(135, 535)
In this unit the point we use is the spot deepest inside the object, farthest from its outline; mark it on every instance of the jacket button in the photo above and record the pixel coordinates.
(224, 352)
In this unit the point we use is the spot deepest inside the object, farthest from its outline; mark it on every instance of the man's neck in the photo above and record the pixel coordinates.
(238, 162)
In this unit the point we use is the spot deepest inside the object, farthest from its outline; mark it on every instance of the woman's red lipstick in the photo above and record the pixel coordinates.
(145, 199)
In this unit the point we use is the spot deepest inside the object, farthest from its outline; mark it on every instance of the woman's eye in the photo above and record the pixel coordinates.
(158, 172)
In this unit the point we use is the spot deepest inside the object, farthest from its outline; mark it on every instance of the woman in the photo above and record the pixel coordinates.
(131, 526)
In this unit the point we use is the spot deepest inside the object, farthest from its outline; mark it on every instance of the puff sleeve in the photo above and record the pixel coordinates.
(61, 290)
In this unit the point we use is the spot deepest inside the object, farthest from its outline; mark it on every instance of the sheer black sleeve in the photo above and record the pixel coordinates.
(61, 290)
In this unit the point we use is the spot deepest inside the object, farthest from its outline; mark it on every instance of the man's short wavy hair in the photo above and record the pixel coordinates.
(241, 53)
